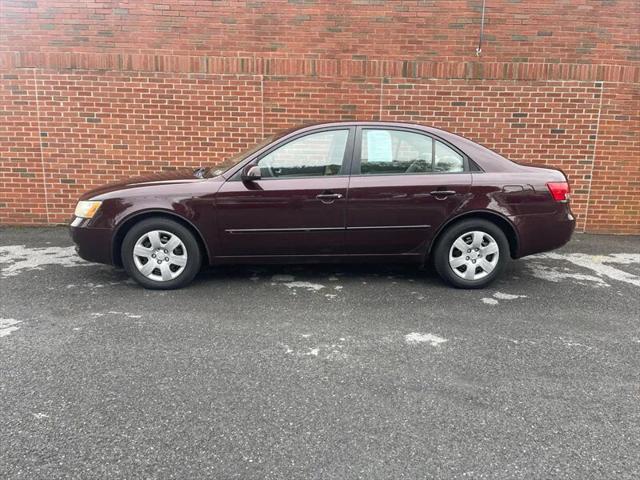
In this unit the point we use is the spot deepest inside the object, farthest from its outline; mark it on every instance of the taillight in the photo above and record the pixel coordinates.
(559, 191)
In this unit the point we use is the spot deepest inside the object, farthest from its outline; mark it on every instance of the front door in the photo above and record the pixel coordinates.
(298, 205)
(404, 185)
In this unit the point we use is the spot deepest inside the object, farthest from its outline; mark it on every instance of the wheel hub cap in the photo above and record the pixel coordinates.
(160, 255)
(474, 255)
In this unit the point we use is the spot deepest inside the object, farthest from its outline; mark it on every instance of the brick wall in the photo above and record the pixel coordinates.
(95, 90)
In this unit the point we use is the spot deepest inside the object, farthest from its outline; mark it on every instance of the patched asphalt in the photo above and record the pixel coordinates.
(332, 372)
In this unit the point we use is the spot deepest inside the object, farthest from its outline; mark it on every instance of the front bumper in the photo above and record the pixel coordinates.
(92, 244)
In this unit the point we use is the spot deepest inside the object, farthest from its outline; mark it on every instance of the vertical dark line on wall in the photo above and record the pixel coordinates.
(593, 158)
(381, 97)
(262, 105)
(43, 170)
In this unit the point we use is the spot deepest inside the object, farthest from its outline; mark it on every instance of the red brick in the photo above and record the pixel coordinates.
(184, 83)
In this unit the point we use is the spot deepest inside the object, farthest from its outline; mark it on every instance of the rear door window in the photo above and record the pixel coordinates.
(394, 152)
(447, 159)
(399, 152)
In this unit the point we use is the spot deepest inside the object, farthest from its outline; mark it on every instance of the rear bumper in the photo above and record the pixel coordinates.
(542, 232)
(92, 244)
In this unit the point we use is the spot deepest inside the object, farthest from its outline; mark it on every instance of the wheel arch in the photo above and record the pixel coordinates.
(130, 221)
(499, 220)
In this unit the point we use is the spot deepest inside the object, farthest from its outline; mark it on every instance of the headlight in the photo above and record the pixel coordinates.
(87, 209)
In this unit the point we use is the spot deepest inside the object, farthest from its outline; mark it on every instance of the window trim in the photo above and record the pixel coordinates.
(346, 159)
(357, 147)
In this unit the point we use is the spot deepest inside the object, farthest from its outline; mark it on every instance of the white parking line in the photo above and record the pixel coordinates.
(414, 338)
(8, 326)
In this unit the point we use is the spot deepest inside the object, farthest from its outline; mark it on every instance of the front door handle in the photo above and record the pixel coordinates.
(442, 193)
(328, 197)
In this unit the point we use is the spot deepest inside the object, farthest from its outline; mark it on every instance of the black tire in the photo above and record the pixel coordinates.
(193, 257)
(440, 253)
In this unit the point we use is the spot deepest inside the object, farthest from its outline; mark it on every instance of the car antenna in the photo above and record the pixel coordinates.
(479, 48)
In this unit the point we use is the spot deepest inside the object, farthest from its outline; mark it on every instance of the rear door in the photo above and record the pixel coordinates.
(404, 184)
(298, 207)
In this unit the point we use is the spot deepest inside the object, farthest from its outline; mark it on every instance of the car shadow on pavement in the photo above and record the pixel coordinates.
(321, 272)
(424, 276)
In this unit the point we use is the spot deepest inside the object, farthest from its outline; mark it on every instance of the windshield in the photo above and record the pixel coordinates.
(238, 157)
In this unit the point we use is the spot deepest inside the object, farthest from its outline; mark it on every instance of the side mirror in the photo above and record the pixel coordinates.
(251, 173)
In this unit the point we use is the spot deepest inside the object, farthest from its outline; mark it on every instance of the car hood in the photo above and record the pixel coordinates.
(186, 175)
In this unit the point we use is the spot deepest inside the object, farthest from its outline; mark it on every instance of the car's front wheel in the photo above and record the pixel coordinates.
(471, 253)
(159, 253)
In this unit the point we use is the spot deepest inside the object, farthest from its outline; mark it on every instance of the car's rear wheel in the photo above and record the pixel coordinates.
(159, 253)
(471, 253)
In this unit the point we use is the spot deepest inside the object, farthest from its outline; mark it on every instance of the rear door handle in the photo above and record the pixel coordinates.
(328, 197)
(442, 193)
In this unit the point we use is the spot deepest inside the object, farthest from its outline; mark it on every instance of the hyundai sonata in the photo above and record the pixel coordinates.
(334, 192)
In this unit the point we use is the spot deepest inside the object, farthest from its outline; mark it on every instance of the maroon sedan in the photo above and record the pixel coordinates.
(335, 192)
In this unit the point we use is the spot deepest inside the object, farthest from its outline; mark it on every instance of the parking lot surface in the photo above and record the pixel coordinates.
(319, 371)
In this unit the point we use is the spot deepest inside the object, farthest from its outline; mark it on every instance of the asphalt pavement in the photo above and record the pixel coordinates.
(319, 372)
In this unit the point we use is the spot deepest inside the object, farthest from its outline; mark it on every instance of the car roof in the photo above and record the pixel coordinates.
(352, 123)
(381, 123)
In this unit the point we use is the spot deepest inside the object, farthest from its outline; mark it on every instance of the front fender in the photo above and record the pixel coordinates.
(117, 215)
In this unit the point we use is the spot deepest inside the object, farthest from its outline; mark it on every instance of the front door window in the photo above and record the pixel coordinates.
(315, 155)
